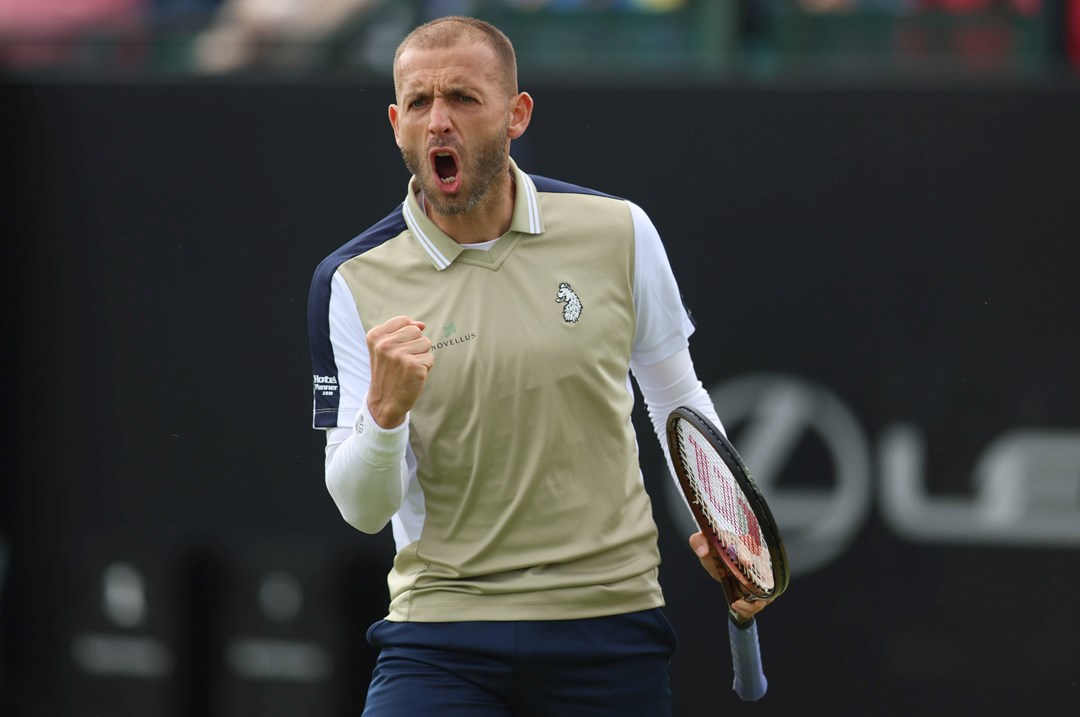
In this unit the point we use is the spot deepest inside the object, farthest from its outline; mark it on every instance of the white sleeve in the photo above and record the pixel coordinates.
(366, 471)
(660, 359)
(351, 362)
(663, 324)
(668, 384)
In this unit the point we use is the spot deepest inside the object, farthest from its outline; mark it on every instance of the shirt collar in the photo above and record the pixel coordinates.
(441, 250)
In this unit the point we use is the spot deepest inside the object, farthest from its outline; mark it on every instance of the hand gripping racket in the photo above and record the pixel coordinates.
(743, 538)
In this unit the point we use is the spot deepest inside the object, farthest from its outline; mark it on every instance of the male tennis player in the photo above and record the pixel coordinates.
(472, 353)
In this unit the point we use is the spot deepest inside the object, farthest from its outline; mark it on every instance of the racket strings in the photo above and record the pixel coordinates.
(721, 499)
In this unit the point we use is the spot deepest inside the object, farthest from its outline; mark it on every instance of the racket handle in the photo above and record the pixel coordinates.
(750, 683)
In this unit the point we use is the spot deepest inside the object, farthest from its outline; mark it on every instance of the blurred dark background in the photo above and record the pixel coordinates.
(869, 205)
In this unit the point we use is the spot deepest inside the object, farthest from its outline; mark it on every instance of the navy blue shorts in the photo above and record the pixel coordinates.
(608, 666)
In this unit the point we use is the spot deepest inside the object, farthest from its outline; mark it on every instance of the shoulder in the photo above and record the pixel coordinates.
(377, 234)
(554, 188)
(547, 185)
(586, 208)
(565, 203)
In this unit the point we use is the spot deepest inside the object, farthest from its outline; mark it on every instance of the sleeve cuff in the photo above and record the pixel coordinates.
(380, 446)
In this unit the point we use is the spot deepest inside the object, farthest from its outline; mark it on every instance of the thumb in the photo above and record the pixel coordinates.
(699, 545)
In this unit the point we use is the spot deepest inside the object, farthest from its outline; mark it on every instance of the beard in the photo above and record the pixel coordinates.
(485, 164)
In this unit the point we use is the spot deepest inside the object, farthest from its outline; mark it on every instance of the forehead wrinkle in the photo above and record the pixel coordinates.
(440, 85)
(424, 67)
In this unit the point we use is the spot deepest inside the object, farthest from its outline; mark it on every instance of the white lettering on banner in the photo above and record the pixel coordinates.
(774, 413)
(280, 596)
(1027, 491)
(284, 660)
(123, 601)
(1027, 481)
(121, 655)
(280, 600)
(123, 595)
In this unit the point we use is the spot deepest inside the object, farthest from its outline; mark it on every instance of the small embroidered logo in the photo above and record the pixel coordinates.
(572, 310)
(449, 329)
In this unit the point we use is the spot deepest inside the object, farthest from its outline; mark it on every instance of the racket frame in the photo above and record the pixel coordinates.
(735, 584)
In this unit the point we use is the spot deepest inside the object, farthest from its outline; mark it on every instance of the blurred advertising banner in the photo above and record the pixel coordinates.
(885, 303)
(124, 630)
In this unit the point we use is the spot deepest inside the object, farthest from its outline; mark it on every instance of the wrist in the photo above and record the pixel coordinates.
(383, 417)
(380, 445)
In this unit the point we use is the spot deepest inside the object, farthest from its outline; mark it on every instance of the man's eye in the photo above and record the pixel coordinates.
(418, 103)
(465, 98)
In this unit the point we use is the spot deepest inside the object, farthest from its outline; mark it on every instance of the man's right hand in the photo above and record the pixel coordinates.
(401, 357)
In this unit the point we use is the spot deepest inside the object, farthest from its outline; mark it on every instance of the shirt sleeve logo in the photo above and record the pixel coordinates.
(572, 310)
(325, 385)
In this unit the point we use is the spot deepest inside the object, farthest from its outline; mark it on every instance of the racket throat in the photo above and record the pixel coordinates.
(732, 592)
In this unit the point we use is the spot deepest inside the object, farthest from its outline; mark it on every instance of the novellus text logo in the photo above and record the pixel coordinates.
(454, 341)
(326, 385)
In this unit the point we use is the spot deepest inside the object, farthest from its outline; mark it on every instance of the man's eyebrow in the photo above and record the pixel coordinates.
(462, 89)
(448, 90)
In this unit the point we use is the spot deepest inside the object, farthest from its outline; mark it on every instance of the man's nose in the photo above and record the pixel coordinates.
(439, 117)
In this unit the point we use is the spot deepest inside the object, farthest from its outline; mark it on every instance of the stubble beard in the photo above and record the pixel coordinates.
(486, 166)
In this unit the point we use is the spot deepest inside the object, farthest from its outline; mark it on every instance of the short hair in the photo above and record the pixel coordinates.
(454, 30)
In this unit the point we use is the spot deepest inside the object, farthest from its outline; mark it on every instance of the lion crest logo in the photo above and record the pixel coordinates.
(571, 311)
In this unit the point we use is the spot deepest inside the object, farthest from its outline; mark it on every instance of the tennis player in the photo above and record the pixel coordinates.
(472, 356)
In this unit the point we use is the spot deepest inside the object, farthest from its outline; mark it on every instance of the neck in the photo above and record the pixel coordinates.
(489, 220)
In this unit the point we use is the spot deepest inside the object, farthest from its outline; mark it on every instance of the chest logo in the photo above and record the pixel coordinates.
(451, 337)
(571, 312)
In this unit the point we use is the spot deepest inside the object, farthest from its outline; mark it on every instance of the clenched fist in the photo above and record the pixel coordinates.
(401, 357)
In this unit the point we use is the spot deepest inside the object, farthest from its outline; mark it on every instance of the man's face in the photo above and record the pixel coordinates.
(451, 123)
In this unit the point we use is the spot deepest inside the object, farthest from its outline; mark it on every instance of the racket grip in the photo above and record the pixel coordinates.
(750, 683)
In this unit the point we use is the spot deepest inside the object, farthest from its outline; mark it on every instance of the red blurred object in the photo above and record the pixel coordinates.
(960, 7)
(1072, 33)
(36, 16)
(47, 32)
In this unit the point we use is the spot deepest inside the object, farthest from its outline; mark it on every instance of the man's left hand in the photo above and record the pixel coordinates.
(745, 607)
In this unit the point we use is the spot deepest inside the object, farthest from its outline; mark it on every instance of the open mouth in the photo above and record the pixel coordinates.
(445, 167)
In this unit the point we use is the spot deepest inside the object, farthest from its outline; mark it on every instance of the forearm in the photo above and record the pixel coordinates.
(366, 472)
(668, 384)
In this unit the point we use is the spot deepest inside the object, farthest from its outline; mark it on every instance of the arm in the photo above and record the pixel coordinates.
(664, 386)
(365, 465)
(661, 363)
(366, 471)
(358, 372)
(668, 384)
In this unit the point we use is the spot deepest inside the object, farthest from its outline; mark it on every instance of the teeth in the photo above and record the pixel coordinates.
(448, 180)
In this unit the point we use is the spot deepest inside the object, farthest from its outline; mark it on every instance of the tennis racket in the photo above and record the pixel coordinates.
(743, 538)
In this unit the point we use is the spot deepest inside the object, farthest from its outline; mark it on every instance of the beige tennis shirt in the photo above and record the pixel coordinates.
(525, 499)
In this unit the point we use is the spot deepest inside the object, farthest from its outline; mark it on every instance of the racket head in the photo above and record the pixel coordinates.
(728, 507)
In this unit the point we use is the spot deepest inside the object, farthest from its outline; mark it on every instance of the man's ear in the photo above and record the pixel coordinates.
(520, 114)
(392, 111)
